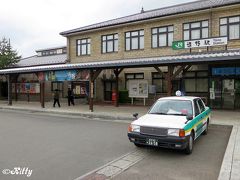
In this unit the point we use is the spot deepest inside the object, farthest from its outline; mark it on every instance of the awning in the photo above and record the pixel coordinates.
(131, 63)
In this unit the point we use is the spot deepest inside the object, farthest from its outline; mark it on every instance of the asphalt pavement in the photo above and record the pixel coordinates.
(203, 164)
(67, 147)
(55, 147)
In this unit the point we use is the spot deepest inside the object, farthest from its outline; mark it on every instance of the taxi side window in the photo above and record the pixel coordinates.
(201, 105)
(196, 108)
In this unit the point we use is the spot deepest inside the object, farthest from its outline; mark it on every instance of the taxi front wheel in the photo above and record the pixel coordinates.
(189, 147)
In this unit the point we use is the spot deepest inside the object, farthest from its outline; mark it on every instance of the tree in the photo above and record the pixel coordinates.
(8, 56)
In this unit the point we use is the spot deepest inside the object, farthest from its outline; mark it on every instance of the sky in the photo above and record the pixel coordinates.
(35, 24)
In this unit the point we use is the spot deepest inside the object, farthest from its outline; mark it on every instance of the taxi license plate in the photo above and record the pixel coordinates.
(152, 142)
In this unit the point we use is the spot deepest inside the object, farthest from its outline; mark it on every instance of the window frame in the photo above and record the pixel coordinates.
(196, 77)
(196, 107)
(134, 36)
(228, 26)
(197, 28)
(115, 49)
(167, 32)
(159, 78)
(134, 77)
(201, 105)
(88, 45)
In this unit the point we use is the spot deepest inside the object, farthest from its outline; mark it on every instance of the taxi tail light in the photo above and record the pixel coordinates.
(130, 128)
(181, 133)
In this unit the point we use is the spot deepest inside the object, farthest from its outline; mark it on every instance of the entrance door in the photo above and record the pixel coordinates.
(109, 86)
(237, 94)
(216, 93)
(228, 94)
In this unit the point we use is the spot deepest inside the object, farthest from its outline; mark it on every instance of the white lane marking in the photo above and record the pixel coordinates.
(116, 166)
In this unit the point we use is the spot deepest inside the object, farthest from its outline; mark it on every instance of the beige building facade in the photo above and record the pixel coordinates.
(150, 34)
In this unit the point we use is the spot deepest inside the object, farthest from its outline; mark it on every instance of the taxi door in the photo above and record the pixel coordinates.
(202, 124)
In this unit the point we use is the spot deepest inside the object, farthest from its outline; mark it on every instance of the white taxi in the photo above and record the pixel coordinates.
(172, 122)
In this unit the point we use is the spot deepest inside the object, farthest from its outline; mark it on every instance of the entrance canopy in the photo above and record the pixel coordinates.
(131, 63)
(185, 61)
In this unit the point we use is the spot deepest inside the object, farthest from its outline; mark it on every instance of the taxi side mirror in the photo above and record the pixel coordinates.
(189, 117)
(135, 115)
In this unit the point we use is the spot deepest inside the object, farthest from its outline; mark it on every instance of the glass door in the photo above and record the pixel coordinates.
(237, 94)
(228, 94)
(215, 93)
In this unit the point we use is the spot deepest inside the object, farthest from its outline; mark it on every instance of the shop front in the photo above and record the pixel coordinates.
(225, 88)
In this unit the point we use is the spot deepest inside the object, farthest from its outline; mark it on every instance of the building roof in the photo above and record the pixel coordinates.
(52, 48)
(134, 63)
(42, 60)
(167, 11)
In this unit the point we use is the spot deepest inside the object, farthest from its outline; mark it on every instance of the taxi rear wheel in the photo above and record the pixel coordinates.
(189, 147)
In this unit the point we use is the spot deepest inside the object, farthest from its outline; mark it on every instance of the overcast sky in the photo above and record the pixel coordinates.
(36, 24)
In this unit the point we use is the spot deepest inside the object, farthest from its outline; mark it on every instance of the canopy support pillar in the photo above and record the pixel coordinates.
(42, 94)
(9, 90)
(117, 72)
(93, 76)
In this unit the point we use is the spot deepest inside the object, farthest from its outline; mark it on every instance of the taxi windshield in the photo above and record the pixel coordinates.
(172, 107)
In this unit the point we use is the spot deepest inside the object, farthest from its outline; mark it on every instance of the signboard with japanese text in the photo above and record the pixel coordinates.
(138, 88)
(199, 43)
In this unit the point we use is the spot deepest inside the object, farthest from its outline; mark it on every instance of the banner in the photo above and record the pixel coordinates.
(31, 88)
(64, 75)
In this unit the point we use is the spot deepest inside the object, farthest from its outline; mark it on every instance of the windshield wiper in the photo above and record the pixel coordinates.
(176, 114)
(159, 113)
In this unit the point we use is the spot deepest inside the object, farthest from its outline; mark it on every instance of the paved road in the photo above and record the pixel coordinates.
(56, 147)
(203, 164)
(64, 148)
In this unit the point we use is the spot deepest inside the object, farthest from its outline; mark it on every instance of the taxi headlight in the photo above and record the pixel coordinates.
(135, 128)
(173, 132)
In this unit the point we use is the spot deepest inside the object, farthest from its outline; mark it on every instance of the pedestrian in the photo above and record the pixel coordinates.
(70, 97)
(56, 98)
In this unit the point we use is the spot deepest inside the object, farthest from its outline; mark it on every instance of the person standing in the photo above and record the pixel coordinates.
(56, 98)
(70, 97)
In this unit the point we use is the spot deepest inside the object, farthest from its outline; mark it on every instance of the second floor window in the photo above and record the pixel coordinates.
(83, 47)
(162, 36)
(110, 43)
(230, 27)
(134, 40)
(195, 30)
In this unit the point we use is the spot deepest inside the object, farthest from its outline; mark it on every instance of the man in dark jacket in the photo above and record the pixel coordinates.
(70, 97)
(56, 98)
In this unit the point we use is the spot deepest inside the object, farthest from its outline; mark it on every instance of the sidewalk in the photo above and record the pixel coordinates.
(230, 169)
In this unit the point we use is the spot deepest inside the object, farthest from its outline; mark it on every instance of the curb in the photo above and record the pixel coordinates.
(227, 163)
(82, 114)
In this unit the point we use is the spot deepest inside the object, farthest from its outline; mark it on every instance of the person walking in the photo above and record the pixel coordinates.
(70, 97)
(56, 98)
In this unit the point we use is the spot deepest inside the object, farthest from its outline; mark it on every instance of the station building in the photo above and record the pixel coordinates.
(192, 47)
(26, 87)
(150, 34)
